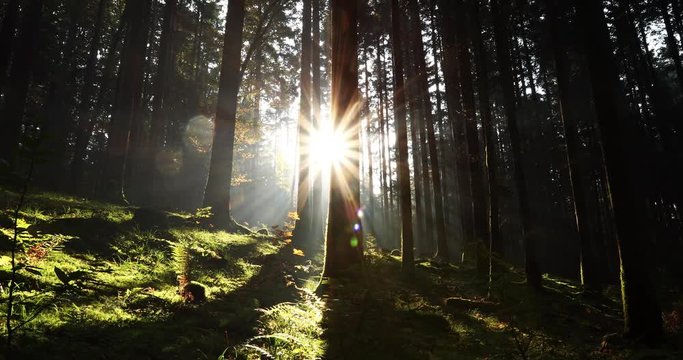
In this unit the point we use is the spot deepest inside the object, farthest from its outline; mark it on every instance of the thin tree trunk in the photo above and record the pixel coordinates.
(439, 178)
(19, 81)
(316, 100)
(495, 245)
(304, 224)
(423, 83)
(85, 133)
(85, 107)
(453, 101)
(368, 143)
(165, 70)
(407, 255)
(384, 182)
(478, 182)
(413, 113)
(9, 23)
(127, 99)
(591, 274)
(502, 36)
(420, 90)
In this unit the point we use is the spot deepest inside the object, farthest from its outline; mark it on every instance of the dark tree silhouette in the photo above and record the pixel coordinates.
(344, 240)
(217, 193)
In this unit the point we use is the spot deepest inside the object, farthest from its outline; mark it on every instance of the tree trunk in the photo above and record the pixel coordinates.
(413, 112)
(384, 182)
(165, 71)
(128, 98)
(420, 90)
(423, 83)
(19, 81)
(58, 105)
(478, 182)
(344, 243)
(592, 273)
(85, 132)
(9, 23)
(502, 37)
(495, 245)
(316, 100)
(85, 107)
(407, 255)
(217, 193)
(304, 224)
(642, 315)
(368, 144)
(455, 109)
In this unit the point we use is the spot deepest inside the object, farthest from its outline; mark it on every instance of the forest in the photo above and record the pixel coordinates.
(342, 179)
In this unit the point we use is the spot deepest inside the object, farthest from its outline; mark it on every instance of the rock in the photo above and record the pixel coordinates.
(193, 293)
(263, 231)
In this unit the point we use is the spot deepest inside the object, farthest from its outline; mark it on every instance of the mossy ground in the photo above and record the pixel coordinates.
(262, 301)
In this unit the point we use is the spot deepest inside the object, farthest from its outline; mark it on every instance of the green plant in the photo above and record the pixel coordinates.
(182, 262)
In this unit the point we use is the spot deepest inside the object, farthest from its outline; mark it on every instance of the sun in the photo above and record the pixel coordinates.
(328, 148)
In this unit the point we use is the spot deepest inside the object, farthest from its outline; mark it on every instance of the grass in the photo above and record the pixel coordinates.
(262, 300)
(127, 304)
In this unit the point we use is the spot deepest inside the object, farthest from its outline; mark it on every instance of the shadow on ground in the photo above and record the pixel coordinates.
(443, 313)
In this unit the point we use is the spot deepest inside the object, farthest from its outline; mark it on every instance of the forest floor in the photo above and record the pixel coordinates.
(100, 281)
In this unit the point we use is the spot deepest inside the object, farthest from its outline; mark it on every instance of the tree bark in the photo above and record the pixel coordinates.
(304, 224)
(407, 256)
(19, 81)
(494, 240)
(316, 100)
(9, 23)
(430, 124)
(642, 315)
(344, 243)
(478, 182)
(128, 98)
(592, 273)
(455, 114)
(85, 107)
(217, 193)
(501, 38)
(165, 70)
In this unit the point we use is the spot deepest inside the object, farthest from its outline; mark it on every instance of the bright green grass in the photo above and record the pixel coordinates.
(128, 305)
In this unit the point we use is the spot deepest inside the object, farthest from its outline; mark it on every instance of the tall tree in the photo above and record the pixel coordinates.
(19, 81)
(590, 274)
(494, 240)
(478, 204)
(9, 23)
(304, 224)
(128, 97)
(217, 193)
(344, 240)
(407, 255)
(165, 71)
(85, 112)
(316, 120)
(501, 15)
(642, 315)
(455, 111)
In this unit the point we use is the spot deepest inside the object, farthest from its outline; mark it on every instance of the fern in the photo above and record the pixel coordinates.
(182, 258)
